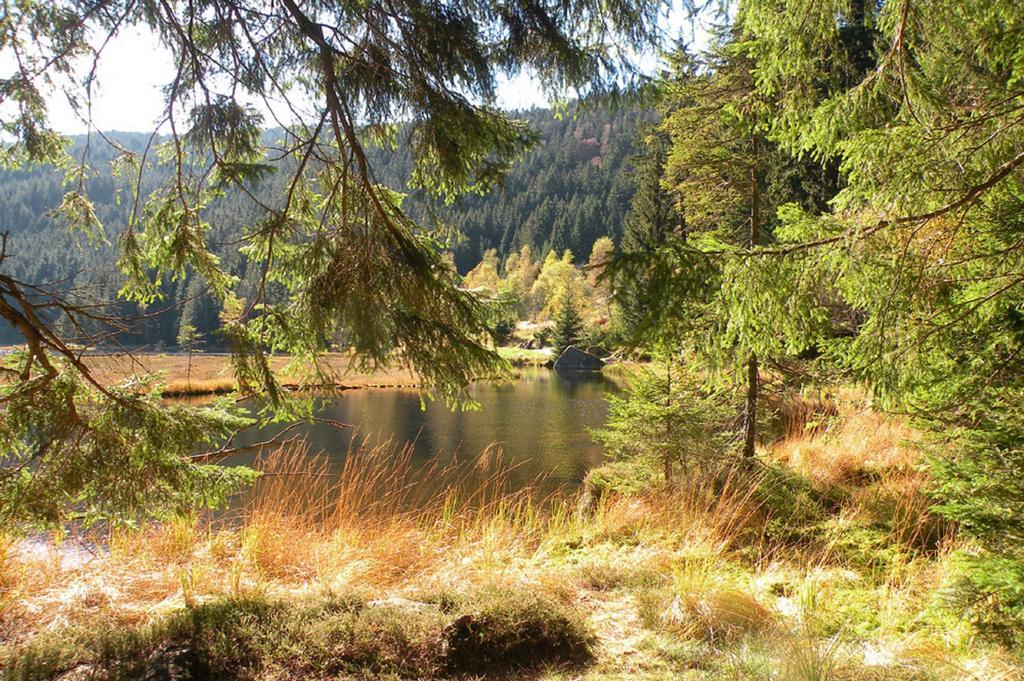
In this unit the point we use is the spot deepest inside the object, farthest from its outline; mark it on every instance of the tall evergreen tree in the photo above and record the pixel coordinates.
(916, 264)
(653, 217)
(718, 165)
(729, 177)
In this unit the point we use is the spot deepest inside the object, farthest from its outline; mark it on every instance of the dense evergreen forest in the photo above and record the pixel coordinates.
(572, 187)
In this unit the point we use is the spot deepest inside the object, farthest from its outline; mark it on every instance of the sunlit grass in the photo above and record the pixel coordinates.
(524, 357)
(183, 387)
(210, 373)
(704, 579)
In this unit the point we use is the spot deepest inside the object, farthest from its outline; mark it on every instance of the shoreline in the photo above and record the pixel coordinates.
(209, 374)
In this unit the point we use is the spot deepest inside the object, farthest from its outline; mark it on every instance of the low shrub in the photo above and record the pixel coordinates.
(630, 477)
(869, 551)
(512, 629)
(105, 652)
(791, 505)
(378, 639)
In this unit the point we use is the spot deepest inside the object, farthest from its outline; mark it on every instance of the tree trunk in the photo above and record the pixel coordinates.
(667, 453)
(750, 413)
(755, 195)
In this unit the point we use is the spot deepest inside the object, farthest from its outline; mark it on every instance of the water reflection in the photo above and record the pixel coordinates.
(540, 421)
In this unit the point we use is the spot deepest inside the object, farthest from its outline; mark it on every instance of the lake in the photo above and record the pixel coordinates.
(540, 421)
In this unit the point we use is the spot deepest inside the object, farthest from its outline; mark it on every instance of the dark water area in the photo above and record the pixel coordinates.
(540, 423)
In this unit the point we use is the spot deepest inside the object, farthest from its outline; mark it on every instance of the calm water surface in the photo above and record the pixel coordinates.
(539, 421)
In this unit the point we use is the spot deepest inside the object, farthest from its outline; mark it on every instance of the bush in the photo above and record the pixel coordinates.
(542, 337)
(508, 630)
(382, 639)
(621, 477)
(870, 551)
(794, 509)
(109, 652)
(503, 330)
(979, 482)
(244, 638)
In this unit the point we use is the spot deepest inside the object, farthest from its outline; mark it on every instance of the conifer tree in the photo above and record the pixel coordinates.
(916, 264)
(717, 166)
(668, 418)
(726, 174)
(568, 328)
(653, 217)
(188, 340)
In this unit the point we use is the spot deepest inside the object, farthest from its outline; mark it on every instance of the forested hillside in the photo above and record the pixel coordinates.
(573, 187)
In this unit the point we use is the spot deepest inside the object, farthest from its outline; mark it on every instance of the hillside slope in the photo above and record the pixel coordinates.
(572, 188)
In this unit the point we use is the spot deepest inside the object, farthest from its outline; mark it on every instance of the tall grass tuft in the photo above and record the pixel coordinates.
(380, 516)
(379, 484)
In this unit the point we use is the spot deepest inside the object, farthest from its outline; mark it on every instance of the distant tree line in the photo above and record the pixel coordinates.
(571, 189)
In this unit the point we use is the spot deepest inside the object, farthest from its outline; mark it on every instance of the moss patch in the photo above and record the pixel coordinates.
(493, 631)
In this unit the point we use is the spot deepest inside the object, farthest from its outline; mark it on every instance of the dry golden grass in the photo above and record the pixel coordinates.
(872, 458)
(8, 548)
(802, 415)
(179, 387)
(378, 523)
(212, 373)
(706, 605)
(694, 563)
(208, 374)
(852, 450)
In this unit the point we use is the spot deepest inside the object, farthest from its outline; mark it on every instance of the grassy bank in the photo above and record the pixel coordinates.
(823, 564)
(211, 374)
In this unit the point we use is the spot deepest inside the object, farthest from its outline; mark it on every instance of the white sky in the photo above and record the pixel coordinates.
(134, 66)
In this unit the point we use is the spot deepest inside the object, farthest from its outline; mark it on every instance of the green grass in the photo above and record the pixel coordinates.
(523, 357)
